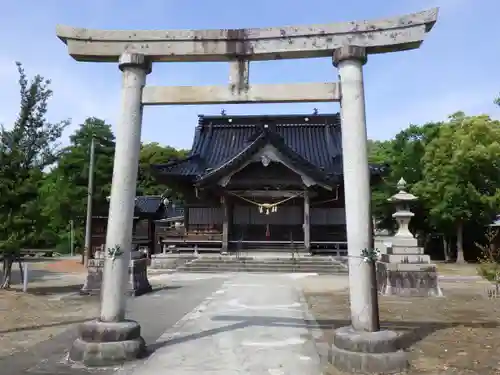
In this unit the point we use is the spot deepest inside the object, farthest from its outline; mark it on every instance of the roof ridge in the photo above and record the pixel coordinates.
(278, 120)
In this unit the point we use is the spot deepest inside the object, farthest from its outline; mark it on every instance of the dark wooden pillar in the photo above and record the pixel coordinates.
(186, 219)
(306, 225)
(225, 223)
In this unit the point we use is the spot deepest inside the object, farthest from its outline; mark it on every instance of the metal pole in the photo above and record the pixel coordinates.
(90, 190)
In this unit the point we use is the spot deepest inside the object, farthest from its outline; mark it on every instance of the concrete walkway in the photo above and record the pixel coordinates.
(254, 324)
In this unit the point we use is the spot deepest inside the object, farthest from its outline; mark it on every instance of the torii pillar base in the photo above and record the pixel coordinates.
(102, 344)
(367, 352)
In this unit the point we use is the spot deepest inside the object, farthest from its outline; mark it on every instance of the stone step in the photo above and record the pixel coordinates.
(202, 269)
(216, 261)
(262, 265)
(266, 260)
(275, 263)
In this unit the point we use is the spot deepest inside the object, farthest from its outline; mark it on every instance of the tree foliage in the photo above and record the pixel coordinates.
(154, 153)
(460, 177)
(404, 155)
(65, 188)
(26, 150)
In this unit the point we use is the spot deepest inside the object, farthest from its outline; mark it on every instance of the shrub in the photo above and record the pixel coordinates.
(489, 262)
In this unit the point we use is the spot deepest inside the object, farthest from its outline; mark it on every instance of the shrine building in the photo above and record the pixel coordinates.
(262, 182)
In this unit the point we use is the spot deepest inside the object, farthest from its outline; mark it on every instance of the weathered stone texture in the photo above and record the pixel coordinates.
(378, 36)
(107, 343)
(408, 279)
(139, 283)
(128, 59)
(349, 53)
(260, 93)
(367, 352)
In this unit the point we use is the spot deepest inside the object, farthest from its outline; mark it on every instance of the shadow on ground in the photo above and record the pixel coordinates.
(411, 332)
(76, 288)
(48, 325)
(54, 289)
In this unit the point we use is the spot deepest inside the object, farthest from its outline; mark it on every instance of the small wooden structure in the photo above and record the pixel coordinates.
(147, 210)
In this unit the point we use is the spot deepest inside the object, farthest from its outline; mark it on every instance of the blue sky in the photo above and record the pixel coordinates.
(457, 67)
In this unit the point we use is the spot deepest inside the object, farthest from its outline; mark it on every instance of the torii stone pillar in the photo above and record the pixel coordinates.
(350, 60)
(112, 339)
(361, 346)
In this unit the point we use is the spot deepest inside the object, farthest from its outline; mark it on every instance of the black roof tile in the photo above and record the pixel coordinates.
(148, 204)
(313, 141)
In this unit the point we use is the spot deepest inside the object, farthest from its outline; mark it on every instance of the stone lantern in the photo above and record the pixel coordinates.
(403, 215)
(403, 268)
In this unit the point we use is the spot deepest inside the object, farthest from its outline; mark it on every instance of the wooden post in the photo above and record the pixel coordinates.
(375, 319)
(186, 219)
(306, 225)
(225, 224)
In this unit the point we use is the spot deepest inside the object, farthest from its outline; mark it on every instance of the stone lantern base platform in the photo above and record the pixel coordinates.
(408, 279)
(102, 344)
(367, 352)
(138, 272)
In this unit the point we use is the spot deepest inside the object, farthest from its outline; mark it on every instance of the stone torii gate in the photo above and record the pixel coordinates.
(112, 339)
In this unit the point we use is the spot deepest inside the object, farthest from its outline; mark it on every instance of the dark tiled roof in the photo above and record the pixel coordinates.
(148, 204)
(313, 142)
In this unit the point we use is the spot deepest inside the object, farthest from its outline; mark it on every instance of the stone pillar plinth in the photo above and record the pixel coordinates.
(138, 277)
(112, 339)
(361, 347)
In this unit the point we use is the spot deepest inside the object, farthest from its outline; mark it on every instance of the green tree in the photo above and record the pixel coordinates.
(380, 152)
(403, 154)
(154, 153)
(26, 150)
(65, 189)
(460, 180)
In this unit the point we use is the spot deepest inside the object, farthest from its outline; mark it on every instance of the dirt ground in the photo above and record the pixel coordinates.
(453, 269)
(49, 307)
(455, 334)
(71, 265)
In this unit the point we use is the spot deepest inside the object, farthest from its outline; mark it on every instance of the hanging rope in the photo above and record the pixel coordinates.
(266, 207)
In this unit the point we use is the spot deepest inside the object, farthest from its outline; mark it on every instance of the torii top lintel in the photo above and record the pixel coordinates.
(377, 36)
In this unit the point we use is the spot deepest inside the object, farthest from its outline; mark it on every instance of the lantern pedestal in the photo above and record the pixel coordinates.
(403, 268)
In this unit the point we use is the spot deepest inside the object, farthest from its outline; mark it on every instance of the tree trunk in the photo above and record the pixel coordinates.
(446, 249)
(8, 260)
(460, 243)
